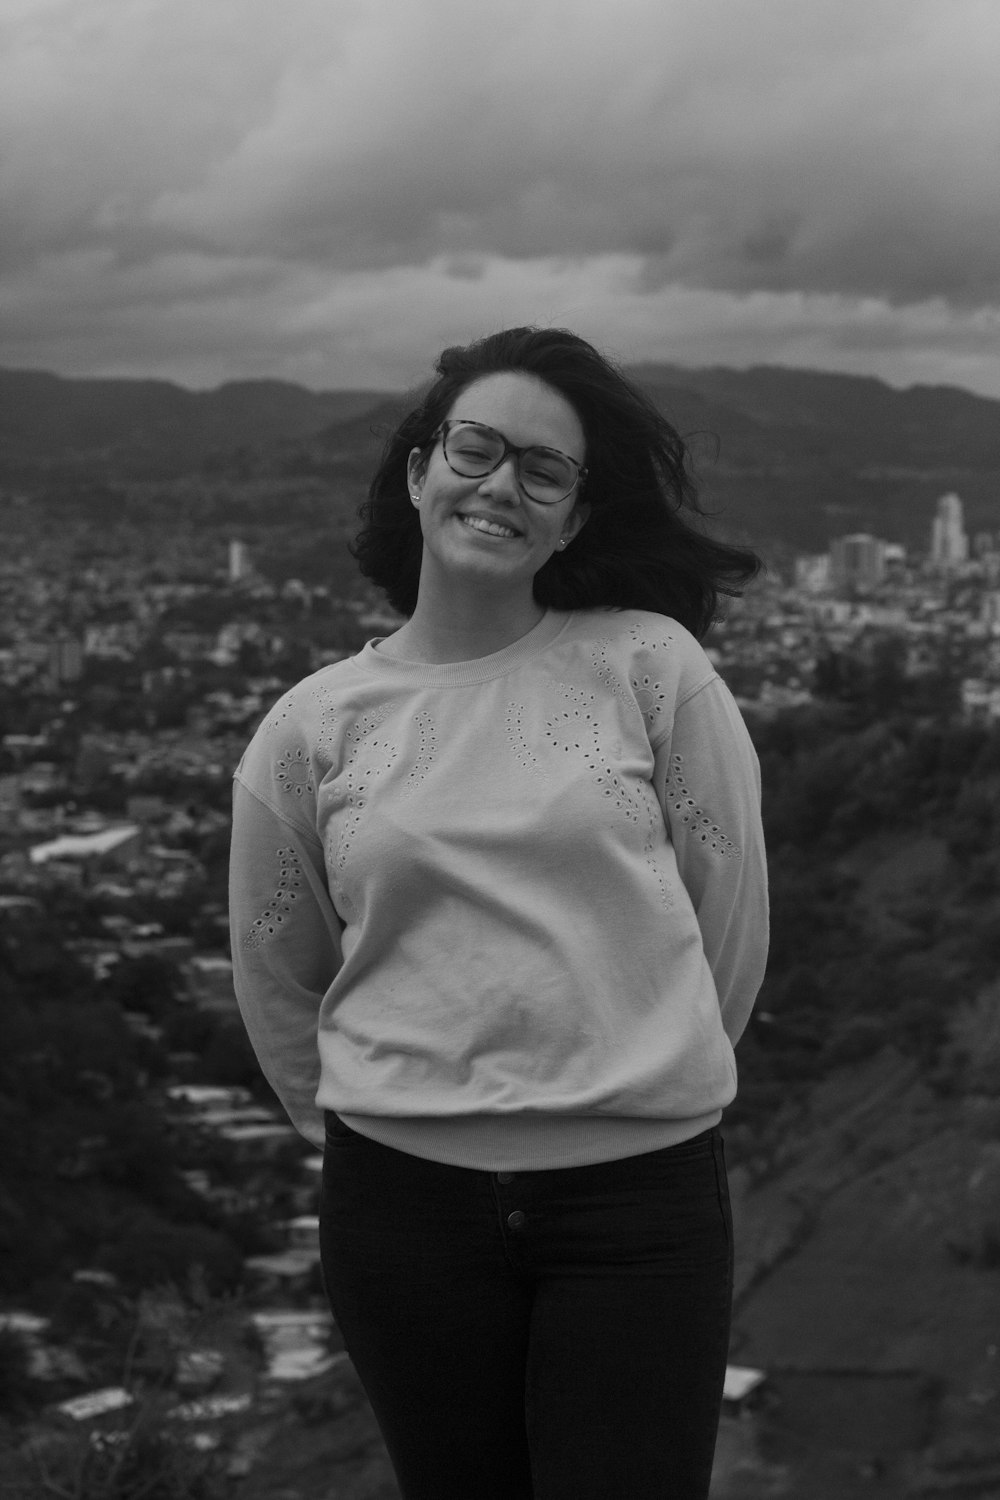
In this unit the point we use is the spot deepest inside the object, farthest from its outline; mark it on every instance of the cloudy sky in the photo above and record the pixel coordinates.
(329, 191)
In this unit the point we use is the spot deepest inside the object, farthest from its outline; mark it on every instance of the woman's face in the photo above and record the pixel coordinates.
(488, 532)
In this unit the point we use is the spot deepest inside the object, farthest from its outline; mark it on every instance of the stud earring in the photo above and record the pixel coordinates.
(415, 499)
(562, 541)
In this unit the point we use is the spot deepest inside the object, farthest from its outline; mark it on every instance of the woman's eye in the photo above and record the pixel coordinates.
(542, 474)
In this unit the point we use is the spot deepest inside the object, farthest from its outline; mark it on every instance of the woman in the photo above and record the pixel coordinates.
(499, 916)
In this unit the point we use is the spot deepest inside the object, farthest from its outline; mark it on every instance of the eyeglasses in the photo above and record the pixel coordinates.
(473, 451)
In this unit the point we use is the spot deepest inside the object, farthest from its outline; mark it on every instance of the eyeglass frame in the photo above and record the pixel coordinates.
(508, 449)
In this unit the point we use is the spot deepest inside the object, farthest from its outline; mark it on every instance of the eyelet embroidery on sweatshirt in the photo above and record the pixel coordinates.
(293, 772)
(379, 756)
(280, 905)
(575, 729)
(699, 824)
(604, 669)
(655, 836)
(662, 642)
(651, 699)
(650, 693)
(577, 695)
(280, 712)
(326, 743)
(362, 727)
(523, 753)
(425, 754)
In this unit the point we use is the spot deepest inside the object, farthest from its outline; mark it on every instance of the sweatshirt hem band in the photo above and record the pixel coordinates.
(526, 1142)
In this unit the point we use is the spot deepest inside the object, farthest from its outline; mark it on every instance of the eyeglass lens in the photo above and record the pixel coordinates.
(475, 451)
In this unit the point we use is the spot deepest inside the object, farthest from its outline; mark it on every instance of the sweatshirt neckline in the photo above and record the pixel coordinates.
(466, 673)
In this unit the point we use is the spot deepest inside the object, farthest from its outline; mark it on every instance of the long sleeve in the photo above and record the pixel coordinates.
(708, 780)
(286, 949)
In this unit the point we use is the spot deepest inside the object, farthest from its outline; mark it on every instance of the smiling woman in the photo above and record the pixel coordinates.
(488, 532)
(639, 547)
(499, 916)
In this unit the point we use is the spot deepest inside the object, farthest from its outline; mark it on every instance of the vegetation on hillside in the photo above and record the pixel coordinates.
(884, 854)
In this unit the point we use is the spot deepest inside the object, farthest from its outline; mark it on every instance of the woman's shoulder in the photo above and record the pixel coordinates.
(642, 633)
(654, 652)
(293, 731)
(298, 705)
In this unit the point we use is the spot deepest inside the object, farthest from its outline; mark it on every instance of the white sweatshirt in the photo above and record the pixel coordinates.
(509, 913)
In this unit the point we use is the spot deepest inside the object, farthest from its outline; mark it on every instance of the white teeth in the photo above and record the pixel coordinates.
(490, 527)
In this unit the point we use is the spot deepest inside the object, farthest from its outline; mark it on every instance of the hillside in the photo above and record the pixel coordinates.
(152, 428)
(866, 1136)
(805, 455)
(782, 455)
(867, 1290)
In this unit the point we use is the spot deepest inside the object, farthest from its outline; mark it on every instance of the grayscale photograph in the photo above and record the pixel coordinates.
(500, 750)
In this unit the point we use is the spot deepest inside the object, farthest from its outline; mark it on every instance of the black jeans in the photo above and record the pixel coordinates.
(550, 1335)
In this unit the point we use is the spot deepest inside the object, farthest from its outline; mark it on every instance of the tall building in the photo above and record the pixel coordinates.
(949, 542)
(812, 573)
(239, 561)
(857, 561)
(65, 659)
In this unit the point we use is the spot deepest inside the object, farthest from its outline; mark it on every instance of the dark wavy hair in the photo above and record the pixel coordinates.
(638, 549)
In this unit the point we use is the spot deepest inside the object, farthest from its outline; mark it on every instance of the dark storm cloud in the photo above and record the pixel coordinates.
(275, 167)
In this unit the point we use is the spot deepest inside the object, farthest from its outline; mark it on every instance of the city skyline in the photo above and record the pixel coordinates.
(331, 194)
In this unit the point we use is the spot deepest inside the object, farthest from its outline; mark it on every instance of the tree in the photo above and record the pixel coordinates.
(147, 983)
(151, 1253)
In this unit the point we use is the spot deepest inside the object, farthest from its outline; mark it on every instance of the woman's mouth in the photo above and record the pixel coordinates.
(489, 528)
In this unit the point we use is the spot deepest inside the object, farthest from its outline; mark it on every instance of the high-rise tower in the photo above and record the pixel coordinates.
(857, 561)
(239, 561)
(949, 542)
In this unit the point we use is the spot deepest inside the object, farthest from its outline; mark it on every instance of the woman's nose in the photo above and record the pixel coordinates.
(502, 481)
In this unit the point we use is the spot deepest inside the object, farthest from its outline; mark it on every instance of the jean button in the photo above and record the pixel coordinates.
(516, 1219)
(505, 1177)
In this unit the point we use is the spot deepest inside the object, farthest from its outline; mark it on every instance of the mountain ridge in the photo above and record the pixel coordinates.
(794, 455)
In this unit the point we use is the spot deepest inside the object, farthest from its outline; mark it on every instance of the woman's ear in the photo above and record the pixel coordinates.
(575, 520)
(416, 467)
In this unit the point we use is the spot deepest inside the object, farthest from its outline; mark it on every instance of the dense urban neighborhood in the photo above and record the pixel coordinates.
(160, 1264)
